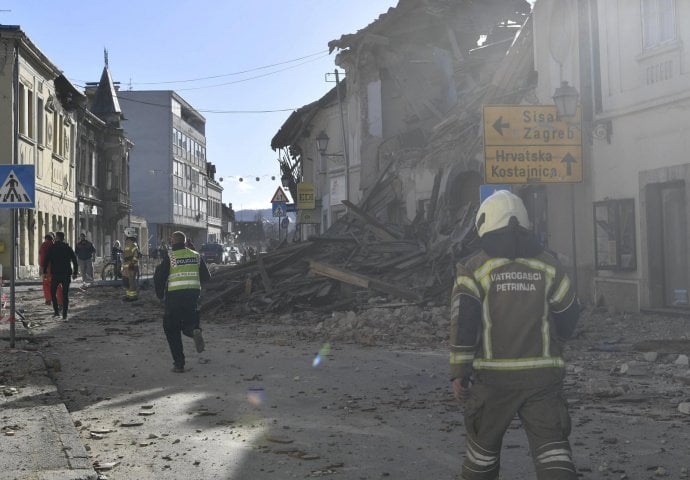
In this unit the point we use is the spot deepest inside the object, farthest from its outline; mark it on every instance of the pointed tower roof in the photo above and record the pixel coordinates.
(105, 99)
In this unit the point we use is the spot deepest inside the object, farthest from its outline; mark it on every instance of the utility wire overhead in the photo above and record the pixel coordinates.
(322, 52)
(201, 110)
(253, 78)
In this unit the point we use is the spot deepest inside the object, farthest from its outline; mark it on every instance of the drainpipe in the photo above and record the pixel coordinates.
(13, 211)
(342, 127)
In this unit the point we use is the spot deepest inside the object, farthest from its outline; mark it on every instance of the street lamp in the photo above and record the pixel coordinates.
(322, 144)
(565, 97)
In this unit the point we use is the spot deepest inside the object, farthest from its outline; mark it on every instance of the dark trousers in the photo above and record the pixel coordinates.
(63, 280)
(181, 317)
(544, 415)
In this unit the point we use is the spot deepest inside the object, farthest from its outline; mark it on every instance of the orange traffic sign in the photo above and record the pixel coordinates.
(529, 144)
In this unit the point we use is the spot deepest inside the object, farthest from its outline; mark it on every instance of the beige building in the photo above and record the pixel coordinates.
(629, 61)
(40, 133)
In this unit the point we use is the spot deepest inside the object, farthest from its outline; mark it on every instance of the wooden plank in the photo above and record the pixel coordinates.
(363, 281)
(338, 274)
(264, 274)
(379, 230)
(365, 201)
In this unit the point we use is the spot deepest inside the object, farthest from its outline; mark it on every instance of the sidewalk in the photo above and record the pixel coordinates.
(38, 437)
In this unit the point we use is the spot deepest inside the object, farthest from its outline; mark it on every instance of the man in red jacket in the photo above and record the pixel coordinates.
(42, 251)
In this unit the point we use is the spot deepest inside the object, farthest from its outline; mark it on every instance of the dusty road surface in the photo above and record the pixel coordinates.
(259, 404)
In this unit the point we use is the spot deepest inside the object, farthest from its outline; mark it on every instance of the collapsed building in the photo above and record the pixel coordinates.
(394, 206)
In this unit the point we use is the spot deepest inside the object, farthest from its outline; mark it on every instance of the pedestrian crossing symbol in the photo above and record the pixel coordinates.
(18, 186)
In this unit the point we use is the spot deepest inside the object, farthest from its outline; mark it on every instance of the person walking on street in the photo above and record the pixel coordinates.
(85, 252)
(131, 265)
(116, 255)
(60, 260)
(42, 251)
(512, 306)
(178, 281)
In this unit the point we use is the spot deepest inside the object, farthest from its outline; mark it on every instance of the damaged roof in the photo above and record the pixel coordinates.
(298, 123)
(440, 9)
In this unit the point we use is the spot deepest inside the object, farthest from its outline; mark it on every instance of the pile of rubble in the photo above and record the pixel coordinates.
(359, 260)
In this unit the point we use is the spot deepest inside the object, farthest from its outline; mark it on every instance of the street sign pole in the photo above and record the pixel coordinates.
(13, 229)
(17, 190)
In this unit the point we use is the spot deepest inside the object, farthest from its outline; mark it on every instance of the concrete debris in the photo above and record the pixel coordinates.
(682, 360)
(635, 369)
(684, 407)
(650, 356)
(98, 466)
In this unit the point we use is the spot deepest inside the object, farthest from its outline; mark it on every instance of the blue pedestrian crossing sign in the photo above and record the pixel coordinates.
(279, 209)
(486, 191)
(18, 187)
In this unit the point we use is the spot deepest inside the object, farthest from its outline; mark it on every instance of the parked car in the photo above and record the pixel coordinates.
(213, 253)
(233, 254)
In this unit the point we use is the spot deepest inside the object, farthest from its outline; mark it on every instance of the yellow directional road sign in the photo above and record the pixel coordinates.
(528, 144)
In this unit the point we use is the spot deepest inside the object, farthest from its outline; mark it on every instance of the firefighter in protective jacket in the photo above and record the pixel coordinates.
(511, 308)
(130, 265)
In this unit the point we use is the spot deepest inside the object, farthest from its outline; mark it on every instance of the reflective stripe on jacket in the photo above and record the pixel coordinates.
(184, 270)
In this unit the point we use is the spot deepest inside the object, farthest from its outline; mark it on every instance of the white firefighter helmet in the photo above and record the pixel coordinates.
(130, 232)
(496, 211)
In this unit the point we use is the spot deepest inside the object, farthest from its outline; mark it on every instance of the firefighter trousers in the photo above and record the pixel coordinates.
(544, 416)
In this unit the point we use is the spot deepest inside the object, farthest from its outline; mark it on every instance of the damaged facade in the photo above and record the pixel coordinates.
(73, 149)
(416, 81)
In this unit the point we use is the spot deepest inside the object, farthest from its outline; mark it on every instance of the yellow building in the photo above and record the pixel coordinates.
(37, 127)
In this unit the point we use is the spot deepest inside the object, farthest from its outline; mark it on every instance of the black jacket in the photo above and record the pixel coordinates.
(61, 259)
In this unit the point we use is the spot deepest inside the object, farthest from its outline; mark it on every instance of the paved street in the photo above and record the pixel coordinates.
(257, 405)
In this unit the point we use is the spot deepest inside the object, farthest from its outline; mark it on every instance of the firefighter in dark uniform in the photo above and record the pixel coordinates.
(512, 306)
(178, 281)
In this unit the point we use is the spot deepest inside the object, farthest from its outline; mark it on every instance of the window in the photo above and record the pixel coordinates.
(614, 235)
(176, 107)
(39, 121)
(658, 22)
(23, 127)
(26, 111)
(30, 113)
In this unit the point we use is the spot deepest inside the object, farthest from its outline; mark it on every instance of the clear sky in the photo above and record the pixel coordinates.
(173, 44)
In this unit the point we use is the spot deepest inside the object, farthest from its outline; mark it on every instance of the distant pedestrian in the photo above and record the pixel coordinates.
(178, 281)
(85, 252)
(60, 260)
(116, 255)
(42, 251)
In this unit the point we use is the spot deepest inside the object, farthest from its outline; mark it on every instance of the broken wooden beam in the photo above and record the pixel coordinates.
(363, 281)
(377, 228)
